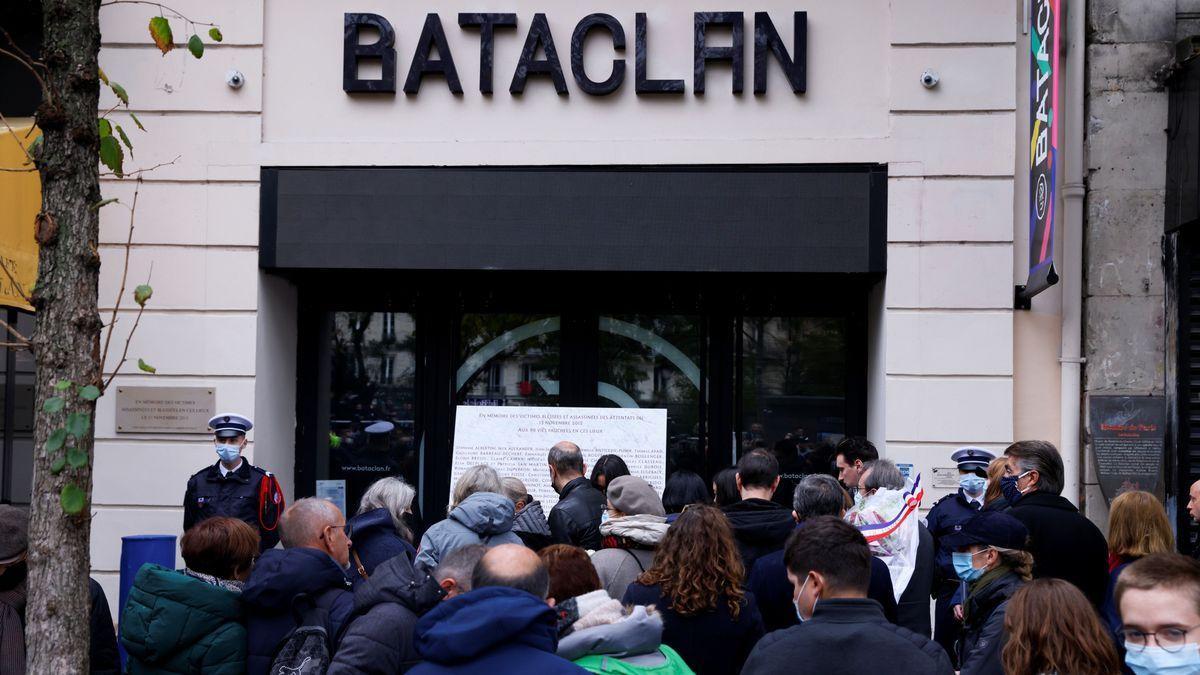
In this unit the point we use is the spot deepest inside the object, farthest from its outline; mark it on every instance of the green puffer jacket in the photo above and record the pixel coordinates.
(175, 623)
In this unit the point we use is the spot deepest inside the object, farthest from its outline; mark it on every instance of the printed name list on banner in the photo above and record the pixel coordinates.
(516, 440)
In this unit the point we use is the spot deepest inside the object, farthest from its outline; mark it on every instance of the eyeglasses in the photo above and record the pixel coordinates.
(1169, 639)
(344, 527)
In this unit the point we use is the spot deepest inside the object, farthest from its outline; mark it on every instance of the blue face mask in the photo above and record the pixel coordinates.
(228, 453)
(604, 516)
(1154, 660)
(972, 485)
(963, 567)
(1008, 486)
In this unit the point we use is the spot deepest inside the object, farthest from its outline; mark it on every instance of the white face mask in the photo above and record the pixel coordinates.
(796, 602)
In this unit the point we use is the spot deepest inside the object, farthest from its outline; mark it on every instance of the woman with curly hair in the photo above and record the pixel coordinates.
(696, 584)
(1052, 628)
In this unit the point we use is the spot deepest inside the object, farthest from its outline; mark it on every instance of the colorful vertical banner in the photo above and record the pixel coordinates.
(1043, 143)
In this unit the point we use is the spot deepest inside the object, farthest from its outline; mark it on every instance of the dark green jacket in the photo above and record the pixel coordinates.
(175, 623)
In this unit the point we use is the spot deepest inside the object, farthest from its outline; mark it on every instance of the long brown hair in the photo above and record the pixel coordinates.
(1138, 526)
(1052, 628)
(995, 472)
(697, 562)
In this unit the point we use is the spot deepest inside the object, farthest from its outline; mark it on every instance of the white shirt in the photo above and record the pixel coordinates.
(225, 472)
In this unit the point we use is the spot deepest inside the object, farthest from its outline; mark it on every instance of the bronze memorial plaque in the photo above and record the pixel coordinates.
(180, 410)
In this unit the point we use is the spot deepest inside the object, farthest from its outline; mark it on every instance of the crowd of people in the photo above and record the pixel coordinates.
(708, 578)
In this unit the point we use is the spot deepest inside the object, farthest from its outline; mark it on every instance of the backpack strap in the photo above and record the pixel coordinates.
(635, 559)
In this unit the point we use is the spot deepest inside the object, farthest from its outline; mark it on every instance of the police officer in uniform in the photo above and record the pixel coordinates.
(951, 510)
(232, 487)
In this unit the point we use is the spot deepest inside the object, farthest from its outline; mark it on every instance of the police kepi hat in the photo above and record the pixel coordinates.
(228, 425)
(970, 459)
(989, 528)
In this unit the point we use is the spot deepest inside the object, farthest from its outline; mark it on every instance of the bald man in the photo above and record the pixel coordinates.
(575, 519)
(510, 583)
(313, 562)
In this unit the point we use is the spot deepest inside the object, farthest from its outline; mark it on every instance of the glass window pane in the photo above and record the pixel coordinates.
(653, 361)
(19, 484)
(372, 400)
(793, 392)
(508, 359)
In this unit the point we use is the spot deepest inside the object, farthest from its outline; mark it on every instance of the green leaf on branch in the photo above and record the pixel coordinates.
(72, 498)
(196, 46)
(58, 464)
(137, 121)
(62, 385)
(103, 77)
(104, 127)
(142, 293)
(104, 202)
(56, 440)
(78, 423)
(215, 34)
(160, 30)
(120, 92)
(146, 367)
(89, 393)
(77, 458)
(111, 155)
(53, 404)
(125, 140)
(35, 148)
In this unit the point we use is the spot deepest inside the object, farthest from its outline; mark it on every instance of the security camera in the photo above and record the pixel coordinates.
(929, 79)
(235, 79)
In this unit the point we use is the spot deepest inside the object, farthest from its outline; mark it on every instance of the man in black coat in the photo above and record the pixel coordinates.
(575, 519)
(379, 637)
(841, 631)
(313, 562)
(760, 526)
(1065, 545)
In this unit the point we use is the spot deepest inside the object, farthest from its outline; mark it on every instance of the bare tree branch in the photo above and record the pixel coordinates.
(21, 339)
(16, 345)
(29, 66)
(161, 8)
(128, 339)
(121, 293)
(17, 138)
(28, 169)
(141, 171)
(17, 285)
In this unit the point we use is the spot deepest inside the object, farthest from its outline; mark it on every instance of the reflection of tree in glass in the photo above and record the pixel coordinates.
(539, 354)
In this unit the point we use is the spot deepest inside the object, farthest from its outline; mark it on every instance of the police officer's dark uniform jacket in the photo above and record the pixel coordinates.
(247, 493)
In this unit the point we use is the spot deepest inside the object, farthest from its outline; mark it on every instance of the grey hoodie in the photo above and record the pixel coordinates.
(483, 518)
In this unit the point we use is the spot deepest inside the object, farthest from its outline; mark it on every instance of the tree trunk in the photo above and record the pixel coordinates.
(67, 337)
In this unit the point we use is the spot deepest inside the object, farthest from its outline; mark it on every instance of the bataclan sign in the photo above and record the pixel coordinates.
(538, 40)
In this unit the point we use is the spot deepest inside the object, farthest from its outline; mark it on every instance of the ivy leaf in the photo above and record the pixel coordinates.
(103, 77)
(215, 34)
(104, 202)
(125, 140)
(78, 423)
(196, 46)
(89, 393)
(56, 440)
(77, 458)
(141, 294)
(53, 404)
(120, 92)
(72, 498)
(35, 148)
(137, 121)
(104, 127)
(62, 385)
(160, 30)
(57, 465)
(111, 155)
(146, 367)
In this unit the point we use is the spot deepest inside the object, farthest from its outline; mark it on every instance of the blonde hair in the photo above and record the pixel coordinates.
(1138, 526)
(995, 472)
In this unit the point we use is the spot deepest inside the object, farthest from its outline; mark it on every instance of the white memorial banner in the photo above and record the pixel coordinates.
(515, 440)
